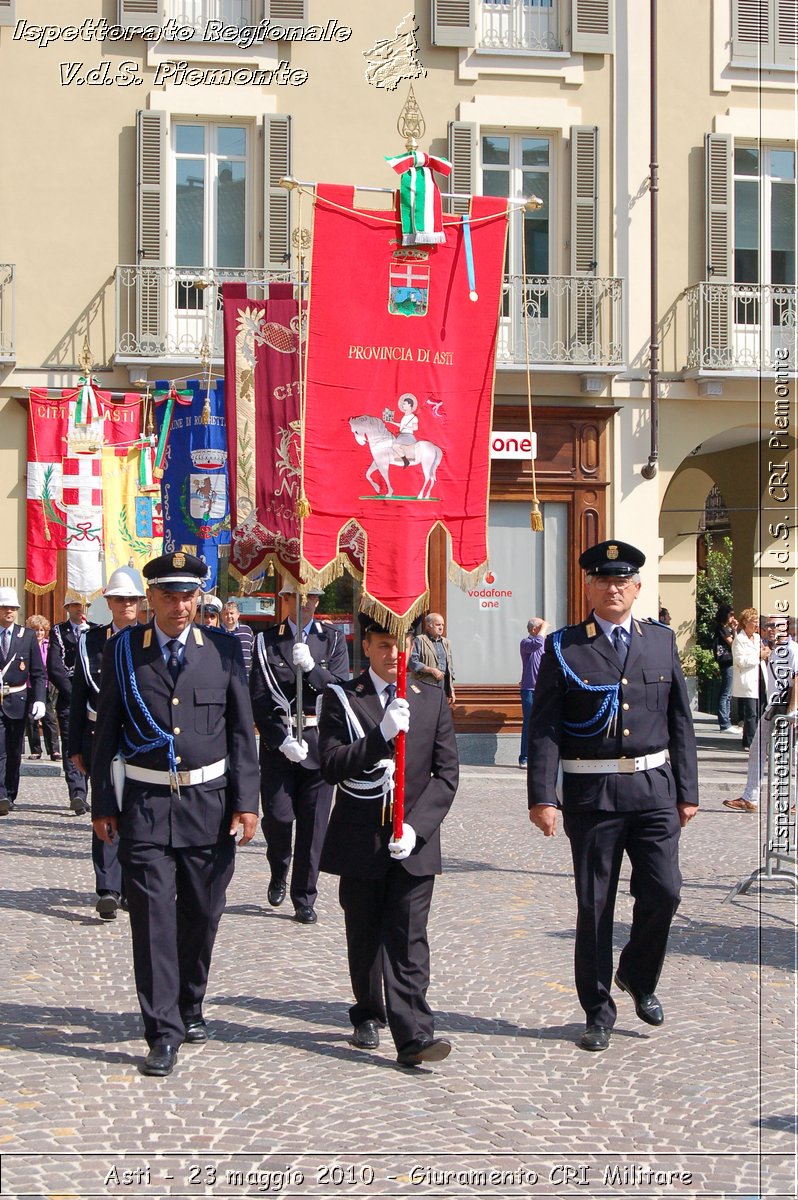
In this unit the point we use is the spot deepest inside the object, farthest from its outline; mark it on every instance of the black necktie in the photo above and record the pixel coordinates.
(173, 645)
(390, 693)
(619, 642)
(5, 642)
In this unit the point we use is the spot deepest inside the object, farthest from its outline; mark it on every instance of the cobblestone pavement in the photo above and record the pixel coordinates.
(279, 1102)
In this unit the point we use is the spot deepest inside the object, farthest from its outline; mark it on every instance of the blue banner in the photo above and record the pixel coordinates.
(196, 508)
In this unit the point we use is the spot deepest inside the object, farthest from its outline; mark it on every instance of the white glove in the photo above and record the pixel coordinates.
(293, 750)
(302, 657)
(404, 846)
(37, 710)
(396, 719)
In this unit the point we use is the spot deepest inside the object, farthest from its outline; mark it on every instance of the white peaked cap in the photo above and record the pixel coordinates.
(125, 581)
(8, 598)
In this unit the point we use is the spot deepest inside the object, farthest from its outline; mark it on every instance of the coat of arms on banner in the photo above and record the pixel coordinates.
(208, 489)
(408, 288)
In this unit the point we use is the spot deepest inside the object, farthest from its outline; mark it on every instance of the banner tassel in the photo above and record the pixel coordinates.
(303, 508)
(535, 518)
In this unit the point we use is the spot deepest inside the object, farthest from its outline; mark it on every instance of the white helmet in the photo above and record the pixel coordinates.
(8, 598)
(125, 581)
(211, 603)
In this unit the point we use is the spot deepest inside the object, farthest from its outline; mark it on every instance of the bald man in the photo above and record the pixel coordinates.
(431, 657)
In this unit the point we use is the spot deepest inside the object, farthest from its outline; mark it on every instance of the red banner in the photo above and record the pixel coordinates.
(400, 368)
(261, 363)
(65, 486)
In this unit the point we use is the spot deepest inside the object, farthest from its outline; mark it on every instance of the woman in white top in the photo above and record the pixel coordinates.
(747, 654)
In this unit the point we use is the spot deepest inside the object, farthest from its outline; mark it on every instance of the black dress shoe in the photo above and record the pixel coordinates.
(160, 1060)
(366, 1035)
(276, 892)
(79, 805)
(107, 906)
(6, 806)
(434, 1050)
(196, 1030)
(595, 1037)
(647, 1006)
(306, 915)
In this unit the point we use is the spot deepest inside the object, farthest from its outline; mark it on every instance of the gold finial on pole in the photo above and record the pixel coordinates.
(411, 123)
(85, 359)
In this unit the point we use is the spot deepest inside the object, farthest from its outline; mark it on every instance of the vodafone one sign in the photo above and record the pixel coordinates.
(513, 444)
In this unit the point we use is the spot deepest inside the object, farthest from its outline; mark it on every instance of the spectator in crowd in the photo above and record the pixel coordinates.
(748, 653)
(231, 621)
(782, 697)
(664, 615)
(431, 657)
(531, 654)
(48, 723)
(725, 629)
(62, 652)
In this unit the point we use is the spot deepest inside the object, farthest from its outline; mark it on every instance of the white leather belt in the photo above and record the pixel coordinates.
(308, 722)
(6, 690)
(614, 766)
(183, 778)
(91, 714)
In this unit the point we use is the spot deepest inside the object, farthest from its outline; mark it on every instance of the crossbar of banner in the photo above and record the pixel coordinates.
(289, 183)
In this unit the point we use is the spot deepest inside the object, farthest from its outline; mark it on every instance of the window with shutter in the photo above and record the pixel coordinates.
(276, 200)
(286, 12)
(8, 12)
(454, 22)
(764, 32)
(150, 229)
(591, 26)
(717, 309)
(584, 242)
(462, 156)
(140, 12)
(520, 25)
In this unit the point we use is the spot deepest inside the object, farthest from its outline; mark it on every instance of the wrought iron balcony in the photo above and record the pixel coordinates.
(519, 25)
(7, 314)
(744, 328)
(167, 314)
(561, 321)
(197, 13)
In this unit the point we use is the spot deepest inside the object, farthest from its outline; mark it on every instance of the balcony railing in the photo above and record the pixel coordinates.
(170, 313)
(7, 314)
(742, 327)
(561, 320)
(520, 25)
(197, 13)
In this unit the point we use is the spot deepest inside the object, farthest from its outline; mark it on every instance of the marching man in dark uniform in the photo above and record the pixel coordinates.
(174, 706)
(22, 688)
(611, 708)
(386, 885)
(292, 787)
(62, 654)
(122, 594)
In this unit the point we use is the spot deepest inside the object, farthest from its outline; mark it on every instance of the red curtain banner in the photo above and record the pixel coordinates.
(64, 486)
(261, 366)
(399, 397)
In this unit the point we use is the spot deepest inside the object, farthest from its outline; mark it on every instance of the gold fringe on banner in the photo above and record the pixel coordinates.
(467, 579)
(40, 589)
(398, 625)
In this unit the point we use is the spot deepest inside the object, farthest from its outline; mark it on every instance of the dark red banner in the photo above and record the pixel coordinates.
(400, 369)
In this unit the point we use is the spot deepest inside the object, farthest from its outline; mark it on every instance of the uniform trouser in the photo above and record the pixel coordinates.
(76, 780)
(387, 947)
(107, 868)
(12, 743)
(294, 795)
(598, 841)
(175, 898)
(49, 726)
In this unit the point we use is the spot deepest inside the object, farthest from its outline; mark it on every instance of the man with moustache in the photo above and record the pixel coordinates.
(611, 709)
(174, 707)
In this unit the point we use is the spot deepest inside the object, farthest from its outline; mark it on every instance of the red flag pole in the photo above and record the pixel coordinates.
(399, 774)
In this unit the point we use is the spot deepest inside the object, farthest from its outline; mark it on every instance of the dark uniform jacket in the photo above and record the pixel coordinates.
(359, 832)
(62, 653)
(653, 714)
(85, 691)
(23, 667)
(208, 711)
(328, 647)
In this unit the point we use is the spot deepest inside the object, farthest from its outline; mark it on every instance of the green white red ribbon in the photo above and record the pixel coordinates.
(419, 199)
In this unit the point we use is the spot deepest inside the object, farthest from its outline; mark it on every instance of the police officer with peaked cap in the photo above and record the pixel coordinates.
(611, 708)
(22, 688)
(386, 884)
(122, 593)
(295, 796)
(62, 655)
(174, 705)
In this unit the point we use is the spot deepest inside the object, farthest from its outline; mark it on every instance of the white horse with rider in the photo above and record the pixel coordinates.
(388, 450)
